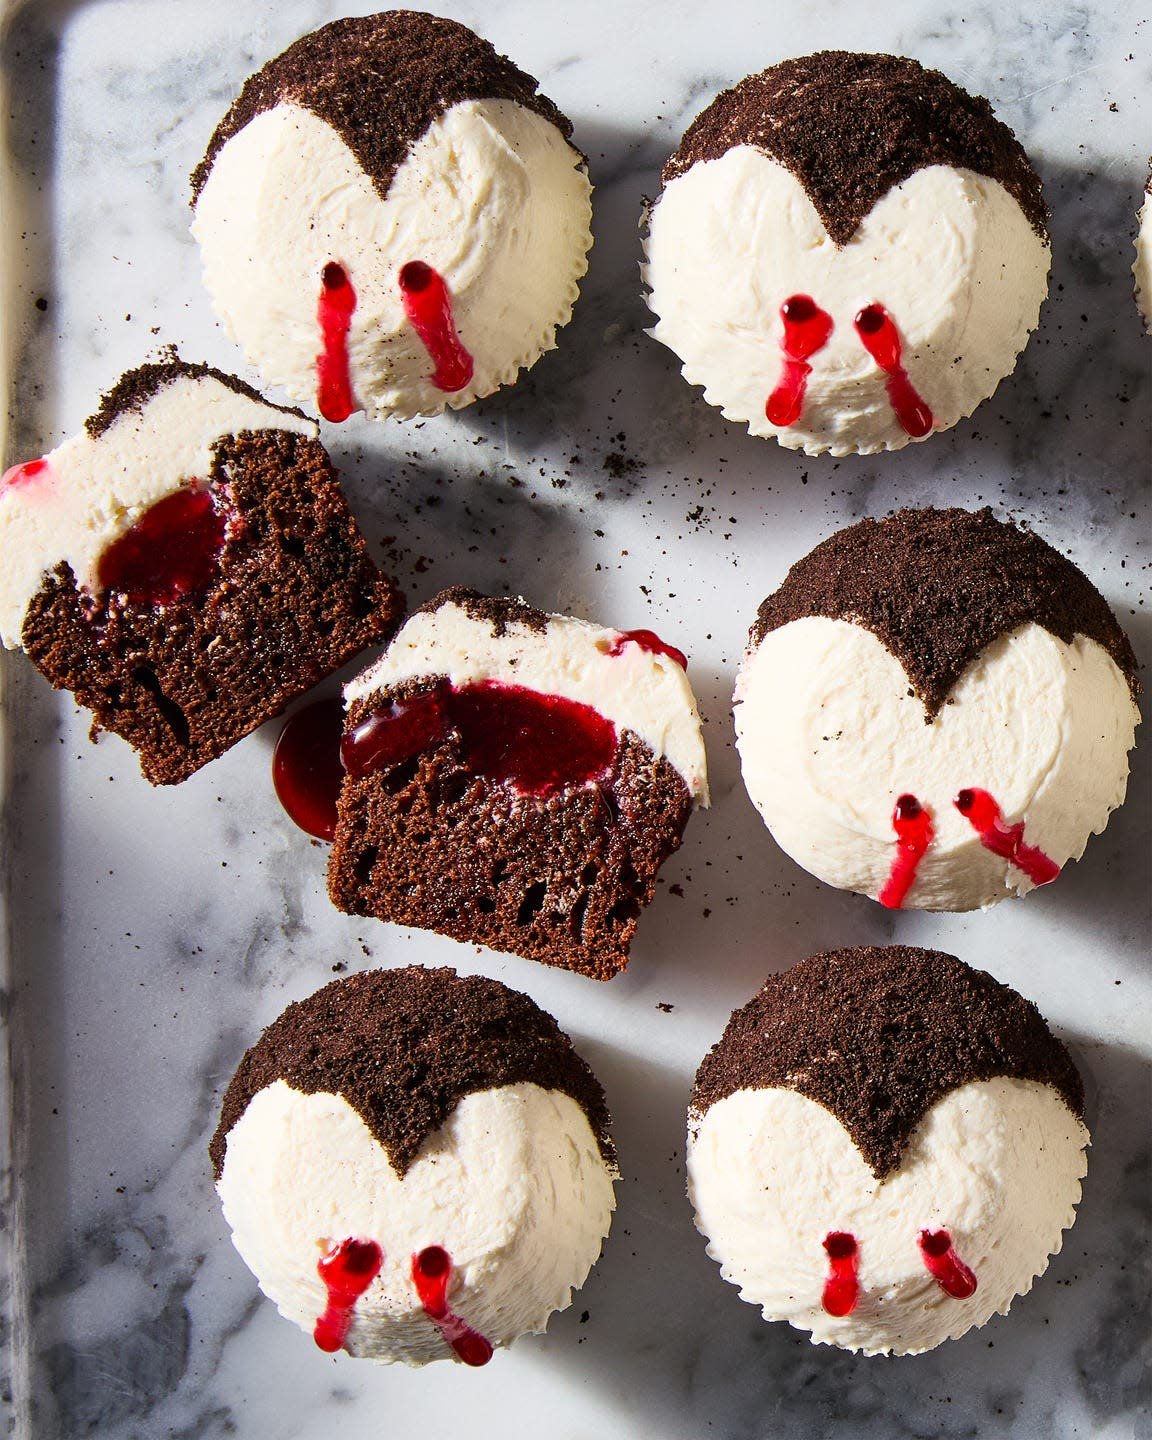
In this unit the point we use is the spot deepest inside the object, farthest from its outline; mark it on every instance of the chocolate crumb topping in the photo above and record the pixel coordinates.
(380, 81)
(937, 587)
(136, 388)
(851, 127)
(878, 1035)
(499, 611)
(403, 1048)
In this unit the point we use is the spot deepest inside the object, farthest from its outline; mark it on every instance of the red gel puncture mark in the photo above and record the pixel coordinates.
(334, 313)
(983, 814)
(879, 336)
(945, 1266)
(17, 475)
(347, 1270)
(431, 1272)
(914, 834)
(536, 743)
(650, 641)
(428, 305)
(306, 768)
(807, 329)
(842, 1287)
(173, 550)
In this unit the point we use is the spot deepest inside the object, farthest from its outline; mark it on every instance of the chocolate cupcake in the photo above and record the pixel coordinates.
(516, 779)
(392, 218)
(936, 710)
(848, 252)
(885, 1148)
(186, 566)
(416, 1166)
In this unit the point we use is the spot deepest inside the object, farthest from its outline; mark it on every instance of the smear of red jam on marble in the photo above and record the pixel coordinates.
(431, 1273)
(17, 475)
(879, 336)
(534, 742)
(842, 1287)
(945, 1266)
(173, 550)
(648, 640)
(807, 329)
(428, 305)
(306, 768)
(347, 1270)
(334, 312)
(914, 834)
(983, 813)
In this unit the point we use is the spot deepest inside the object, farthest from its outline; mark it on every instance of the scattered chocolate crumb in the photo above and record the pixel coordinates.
(850, 127)
(879, 1034)
(665, 1006)
(937, 587)
(403, 1048)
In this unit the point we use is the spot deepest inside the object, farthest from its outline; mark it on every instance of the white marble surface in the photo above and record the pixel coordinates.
(154, 933)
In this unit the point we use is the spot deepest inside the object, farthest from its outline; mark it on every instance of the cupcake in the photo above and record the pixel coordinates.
(516, 779)
(936, 710)
(186, 566)
(416, 1166)
(391, 218)
(848, 252)
(885, 1148)
(1142, 269)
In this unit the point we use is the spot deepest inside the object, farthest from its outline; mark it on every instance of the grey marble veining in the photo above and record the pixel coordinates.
(153, 934)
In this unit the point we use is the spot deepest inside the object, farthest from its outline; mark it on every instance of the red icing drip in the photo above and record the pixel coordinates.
(431, 1272)
(914, 834)
(650, 641)
(428, 305)
(306, 769)
(347, 1271)
(842, 1287)
(945, 1266)
(1007, 841)
(807, 329)
(879, 336)
(334, 313)
(172, 550)
(536, 743)
(23, 474)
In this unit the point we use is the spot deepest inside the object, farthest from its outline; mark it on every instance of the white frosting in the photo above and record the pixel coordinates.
(93, 490)
(947, 252)
(1142, 270)
(492, 196)
(638, 691)
(830, 736)
(512, 1185)
(996, 1163)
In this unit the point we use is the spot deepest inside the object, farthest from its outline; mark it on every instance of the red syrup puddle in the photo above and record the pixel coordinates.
(334, 312)
(428, 305)
(983, 814)
(431, 1272)
(807, 329)
(171, 551)
(650, 641)
(18, 475)
(347, 1271)
(306, 768)
(879, 336)
(945, 1266)
(914, 834)
(842, 1287)
(536, 743)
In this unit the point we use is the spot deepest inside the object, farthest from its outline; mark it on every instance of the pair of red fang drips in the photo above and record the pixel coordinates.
(349, 1268)
(428, 306)
(842, 1287)
(808, 329)
(915, 833)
